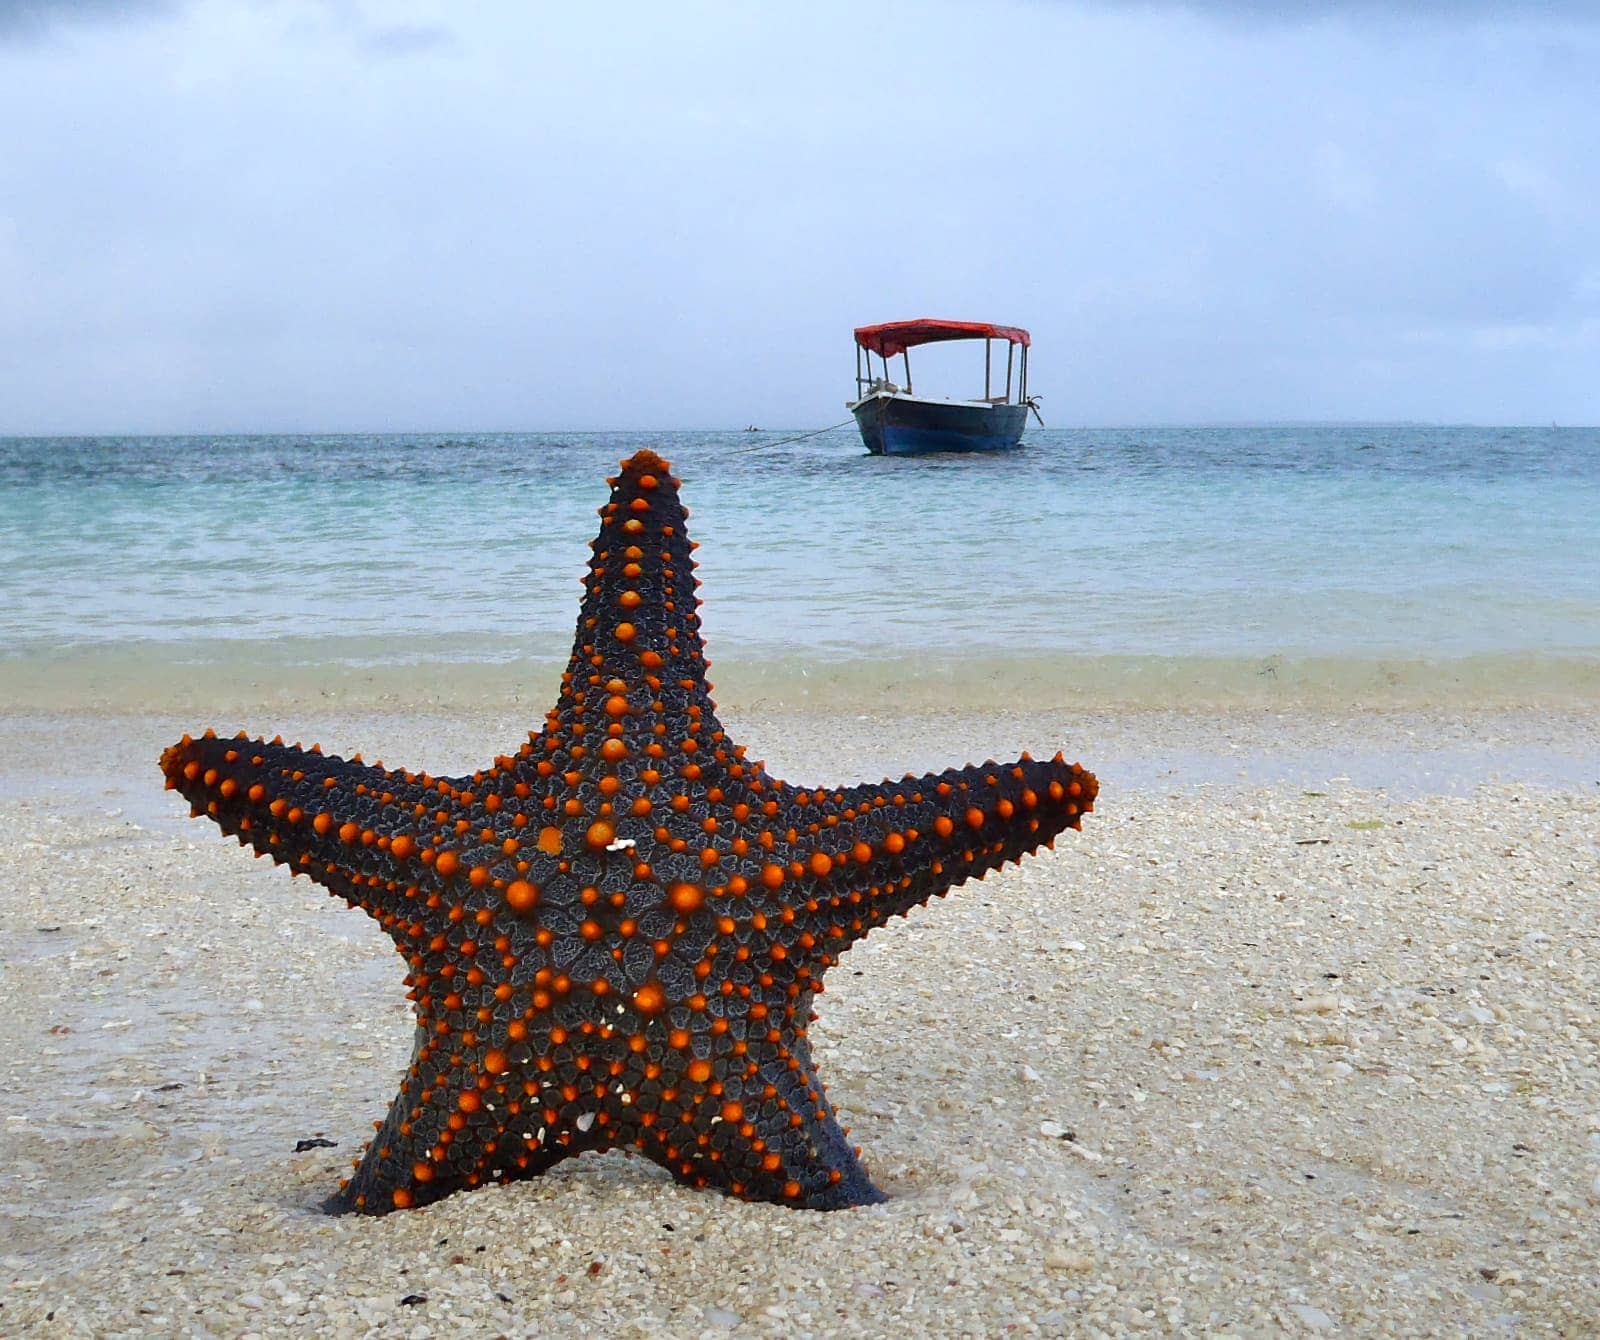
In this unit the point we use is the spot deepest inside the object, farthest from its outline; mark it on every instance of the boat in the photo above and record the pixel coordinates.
(894, 421)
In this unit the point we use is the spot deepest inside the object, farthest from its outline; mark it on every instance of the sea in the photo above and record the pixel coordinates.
(1166, 566)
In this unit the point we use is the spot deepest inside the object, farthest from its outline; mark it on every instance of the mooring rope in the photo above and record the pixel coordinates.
(798, 437)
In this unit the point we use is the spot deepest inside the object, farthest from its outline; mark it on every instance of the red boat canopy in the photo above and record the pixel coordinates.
(895, 337)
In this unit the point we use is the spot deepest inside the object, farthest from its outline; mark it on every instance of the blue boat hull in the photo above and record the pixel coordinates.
(897, 426)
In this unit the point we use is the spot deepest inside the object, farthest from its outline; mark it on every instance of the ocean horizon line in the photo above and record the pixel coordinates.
(1162, 425)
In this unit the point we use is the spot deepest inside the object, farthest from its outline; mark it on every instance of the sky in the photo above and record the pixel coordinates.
(343, 216)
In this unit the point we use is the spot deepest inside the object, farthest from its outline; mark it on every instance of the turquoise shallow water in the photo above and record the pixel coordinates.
(1264, 544)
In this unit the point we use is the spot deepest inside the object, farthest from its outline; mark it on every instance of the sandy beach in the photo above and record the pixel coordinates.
(1300, 1037)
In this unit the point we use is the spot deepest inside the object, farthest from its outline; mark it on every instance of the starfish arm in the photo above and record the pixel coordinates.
(760, 1127)
(638, 632)
(878, 851)
(451, 1129)
(358, 830)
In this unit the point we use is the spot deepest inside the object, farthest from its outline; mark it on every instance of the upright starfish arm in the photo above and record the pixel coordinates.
(351, 827)
(638, 645)
(896, 845)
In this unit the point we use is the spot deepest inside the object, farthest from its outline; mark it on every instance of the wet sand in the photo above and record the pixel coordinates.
(1299, 1036)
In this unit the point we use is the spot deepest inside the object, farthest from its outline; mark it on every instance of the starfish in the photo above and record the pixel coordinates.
(614, 935)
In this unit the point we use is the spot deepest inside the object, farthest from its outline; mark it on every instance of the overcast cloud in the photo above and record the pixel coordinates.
(290, 215)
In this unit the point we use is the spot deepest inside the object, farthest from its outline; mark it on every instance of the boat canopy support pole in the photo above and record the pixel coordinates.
(906, 354)
(1022, 389)
(986, 344)
(1011, 354)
